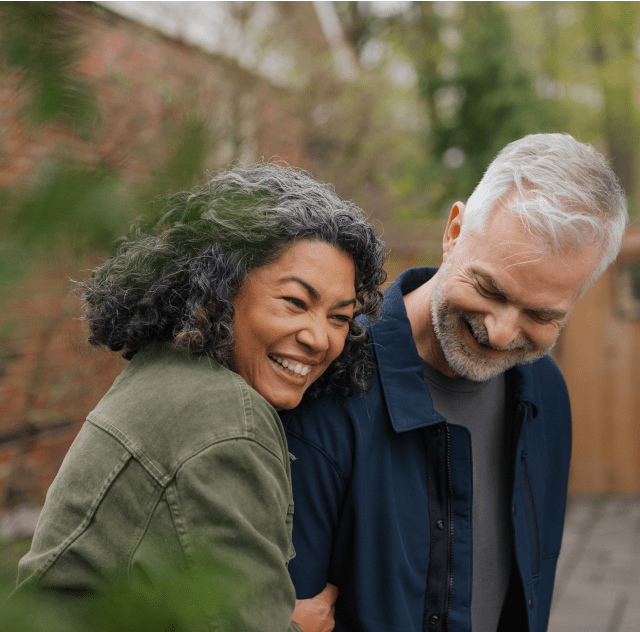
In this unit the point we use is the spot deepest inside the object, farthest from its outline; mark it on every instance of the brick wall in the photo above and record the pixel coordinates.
(146, 86)
(49, 380)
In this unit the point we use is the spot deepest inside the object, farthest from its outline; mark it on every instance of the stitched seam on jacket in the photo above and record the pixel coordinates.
(183, 537)
(146, 462)
(174, 505)
(152, 505)
(247, 408)
(176, 515)
(82, 527)
(133, 448)
(322, 452)
(214, 437)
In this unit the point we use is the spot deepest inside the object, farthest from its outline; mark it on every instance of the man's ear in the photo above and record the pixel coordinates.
(452, 231)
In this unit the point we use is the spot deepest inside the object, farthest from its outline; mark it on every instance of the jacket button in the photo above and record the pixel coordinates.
(436, 431)
(434, 619)
(530, 604)
(513, 509)
(440, 524)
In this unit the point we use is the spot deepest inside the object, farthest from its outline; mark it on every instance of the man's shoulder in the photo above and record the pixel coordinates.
(542, 383)
(316, 421)
(330, 429)
(545, 371)
(334, 420)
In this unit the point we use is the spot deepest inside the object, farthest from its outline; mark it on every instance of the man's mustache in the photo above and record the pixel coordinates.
(480, 333)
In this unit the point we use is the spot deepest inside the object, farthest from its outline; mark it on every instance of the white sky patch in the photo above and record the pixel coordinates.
(519, 4)
(454, 158)
(587, 95)
(445, 9)
(548, 88)
(451, 38)
(372, 53)
(448, 99)
(214, 27)
(403, 73)
(384, 9)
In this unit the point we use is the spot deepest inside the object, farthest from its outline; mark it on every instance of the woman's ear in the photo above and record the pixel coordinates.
(452, 231)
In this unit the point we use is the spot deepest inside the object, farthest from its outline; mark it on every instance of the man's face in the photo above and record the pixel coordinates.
(500, 300)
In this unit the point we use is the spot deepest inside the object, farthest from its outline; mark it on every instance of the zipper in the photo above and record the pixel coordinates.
(532, 510)
(450, 514)
(438, 593)
(517, 427)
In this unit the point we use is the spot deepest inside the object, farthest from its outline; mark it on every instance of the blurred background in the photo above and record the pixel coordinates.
(401, 105)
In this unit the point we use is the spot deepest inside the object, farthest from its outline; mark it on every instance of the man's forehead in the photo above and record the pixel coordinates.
(507, 235)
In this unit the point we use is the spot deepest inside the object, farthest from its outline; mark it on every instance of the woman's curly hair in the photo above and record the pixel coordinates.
(174, 276)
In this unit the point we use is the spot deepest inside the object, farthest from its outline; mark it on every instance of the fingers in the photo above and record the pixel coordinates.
(316, 614)
(330, 593)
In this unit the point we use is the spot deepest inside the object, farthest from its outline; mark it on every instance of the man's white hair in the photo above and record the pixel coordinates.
(562, 190)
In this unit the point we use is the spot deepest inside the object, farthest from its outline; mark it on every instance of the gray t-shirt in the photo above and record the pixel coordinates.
(480, 407)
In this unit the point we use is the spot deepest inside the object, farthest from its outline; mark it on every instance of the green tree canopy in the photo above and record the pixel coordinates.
(485, 102)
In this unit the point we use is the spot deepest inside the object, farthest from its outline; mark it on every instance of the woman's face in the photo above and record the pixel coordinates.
(291, 320)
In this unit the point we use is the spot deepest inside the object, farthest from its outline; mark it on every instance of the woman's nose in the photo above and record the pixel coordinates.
(314, 335)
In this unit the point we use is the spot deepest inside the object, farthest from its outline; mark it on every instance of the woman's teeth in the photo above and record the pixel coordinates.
(290, 366)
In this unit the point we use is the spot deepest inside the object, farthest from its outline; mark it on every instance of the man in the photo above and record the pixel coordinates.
(436, 501)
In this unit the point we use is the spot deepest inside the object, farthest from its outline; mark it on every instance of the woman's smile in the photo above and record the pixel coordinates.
(292, 319)
(291, 367)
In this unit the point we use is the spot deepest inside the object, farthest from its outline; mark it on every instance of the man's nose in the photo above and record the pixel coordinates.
(502, 326)
(314, 334)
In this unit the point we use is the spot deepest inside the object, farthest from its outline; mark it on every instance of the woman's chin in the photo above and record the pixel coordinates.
(284, 401)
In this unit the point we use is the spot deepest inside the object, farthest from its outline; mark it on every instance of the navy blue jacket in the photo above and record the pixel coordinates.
(382, 490)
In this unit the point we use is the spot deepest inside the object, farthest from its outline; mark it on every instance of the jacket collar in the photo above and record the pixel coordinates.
(407, 397)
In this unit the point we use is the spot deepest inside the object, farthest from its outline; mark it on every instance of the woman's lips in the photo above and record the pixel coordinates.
(292, 367)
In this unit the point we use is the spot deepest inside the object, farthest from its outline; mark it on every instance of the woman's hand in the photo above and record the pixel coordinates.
(316, 615)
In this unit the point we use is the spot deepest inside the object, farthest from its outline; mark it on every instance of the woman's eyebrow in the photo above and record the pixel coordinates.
(315, 295)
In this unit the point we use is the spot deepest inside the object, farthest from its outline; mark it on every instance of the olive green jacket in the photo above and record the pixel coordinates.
(182, 470)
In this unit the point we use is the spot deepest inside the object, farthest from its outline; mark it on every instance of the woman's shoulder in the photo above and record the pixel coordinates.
(169, 405)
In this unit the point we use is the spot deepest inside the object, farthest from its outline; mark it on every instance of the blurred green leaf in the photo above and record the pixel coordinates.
(71, 205)
(175, 603)
(492, 103)
(41, 49)
(185, 166)
(12, 264)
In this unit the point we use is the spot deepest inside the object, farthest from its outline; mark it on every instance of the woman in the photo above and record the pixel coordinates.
(232, 302)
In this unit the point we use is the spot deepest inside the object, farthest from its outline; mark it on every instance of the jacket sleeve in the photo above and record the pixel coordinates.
(318, 491)
(231, 508)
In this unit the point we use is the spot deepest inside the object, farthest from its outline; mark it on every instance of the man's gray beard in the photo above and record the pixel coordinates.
(463, 360)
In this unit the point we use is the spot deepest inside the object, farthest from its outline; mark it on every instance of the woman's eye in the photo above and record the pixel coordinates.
(294, 301)
(343, 318)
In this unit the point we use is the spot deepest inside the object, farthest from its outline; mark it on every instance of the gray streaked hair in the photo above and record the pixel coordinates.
(564, 193)
(174, 276)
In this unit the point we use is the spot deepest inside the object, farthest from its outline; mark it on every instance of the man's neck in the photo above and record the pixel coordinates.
(418, 306)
